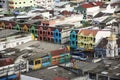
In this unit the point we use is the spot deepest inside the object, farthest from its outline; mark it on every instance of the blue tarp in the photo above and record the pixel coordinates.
(9, 77)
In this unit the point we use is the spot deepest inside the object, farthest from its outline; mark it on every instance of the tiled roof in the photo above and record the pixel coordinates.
(87, 5)
(88, 31)
(91, 4)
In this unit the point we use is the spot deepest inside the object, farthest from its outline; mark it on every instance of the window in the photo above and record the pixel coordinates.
(1, 71)
(15, 3)
(48, 33)
(0, 6)
(30, 1)
(40, 32)
(24, 2)
(4, 46)
(45, 60)
(17, 43)
(32, 31)
(56, 34)
(59, 34)
(37, 62)
(31, 62)
(73, 42)
(94, 39)
(3, 1)
(19, 2)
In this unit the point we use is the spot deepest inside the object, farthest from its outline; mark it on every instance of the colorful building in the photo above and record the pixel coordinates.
(87, 38)
(62, 33)
(14, 4)
(59, 56)
(73, 38)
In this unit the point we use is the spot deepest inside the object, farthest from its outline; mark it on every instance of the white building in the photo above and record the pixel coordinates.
(101, 34)
(112, 47)
(14, 40)
(4, 4)
(61, 6)
(14, 4)
(44, 3)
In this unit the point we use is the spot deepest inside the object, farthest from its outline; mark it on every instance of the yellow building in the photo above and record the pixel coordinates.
(13, 4)
(86, 39)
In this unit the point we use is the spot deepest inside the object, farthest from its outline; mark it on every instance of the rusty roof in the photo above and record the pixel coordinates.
(91, 4)
(88, 32)
(58, 52)
(6, 61)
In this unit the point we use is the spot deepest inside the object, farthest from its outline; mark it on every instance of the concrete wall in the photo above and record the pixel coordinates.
(4, 4)
(102, 34)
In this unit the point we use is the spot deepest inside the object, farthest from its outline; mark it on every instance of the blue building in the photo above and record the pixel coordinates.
(62, 33)
(73, 38)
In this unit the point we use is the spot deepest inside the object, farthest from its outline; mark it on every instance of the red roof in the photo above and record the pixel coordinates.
(87, 32)
(87, 5)
(92, 4)
(6, 61)
(58, 52)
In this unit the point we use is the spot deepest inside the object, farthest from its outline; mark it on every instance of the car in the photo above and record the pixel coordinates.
(79, 55)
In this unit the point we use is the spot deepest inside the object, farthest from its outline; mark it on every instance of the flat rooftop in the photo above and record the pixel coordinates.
(6, 32)
(108, 67)
(51, 72)
(46, 46)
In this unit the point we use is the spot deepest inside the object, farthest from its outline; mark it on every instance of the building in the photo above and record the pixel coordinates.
(73, 38)
(10, 70)
(14, 4)
(90, 8)
(61, 6)
(112, 7)
(108, 69)
(12, 38)
(112, 46)
(102, 49)
(4, 4)
(62, 33)
(87, 39)
(44, 3)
